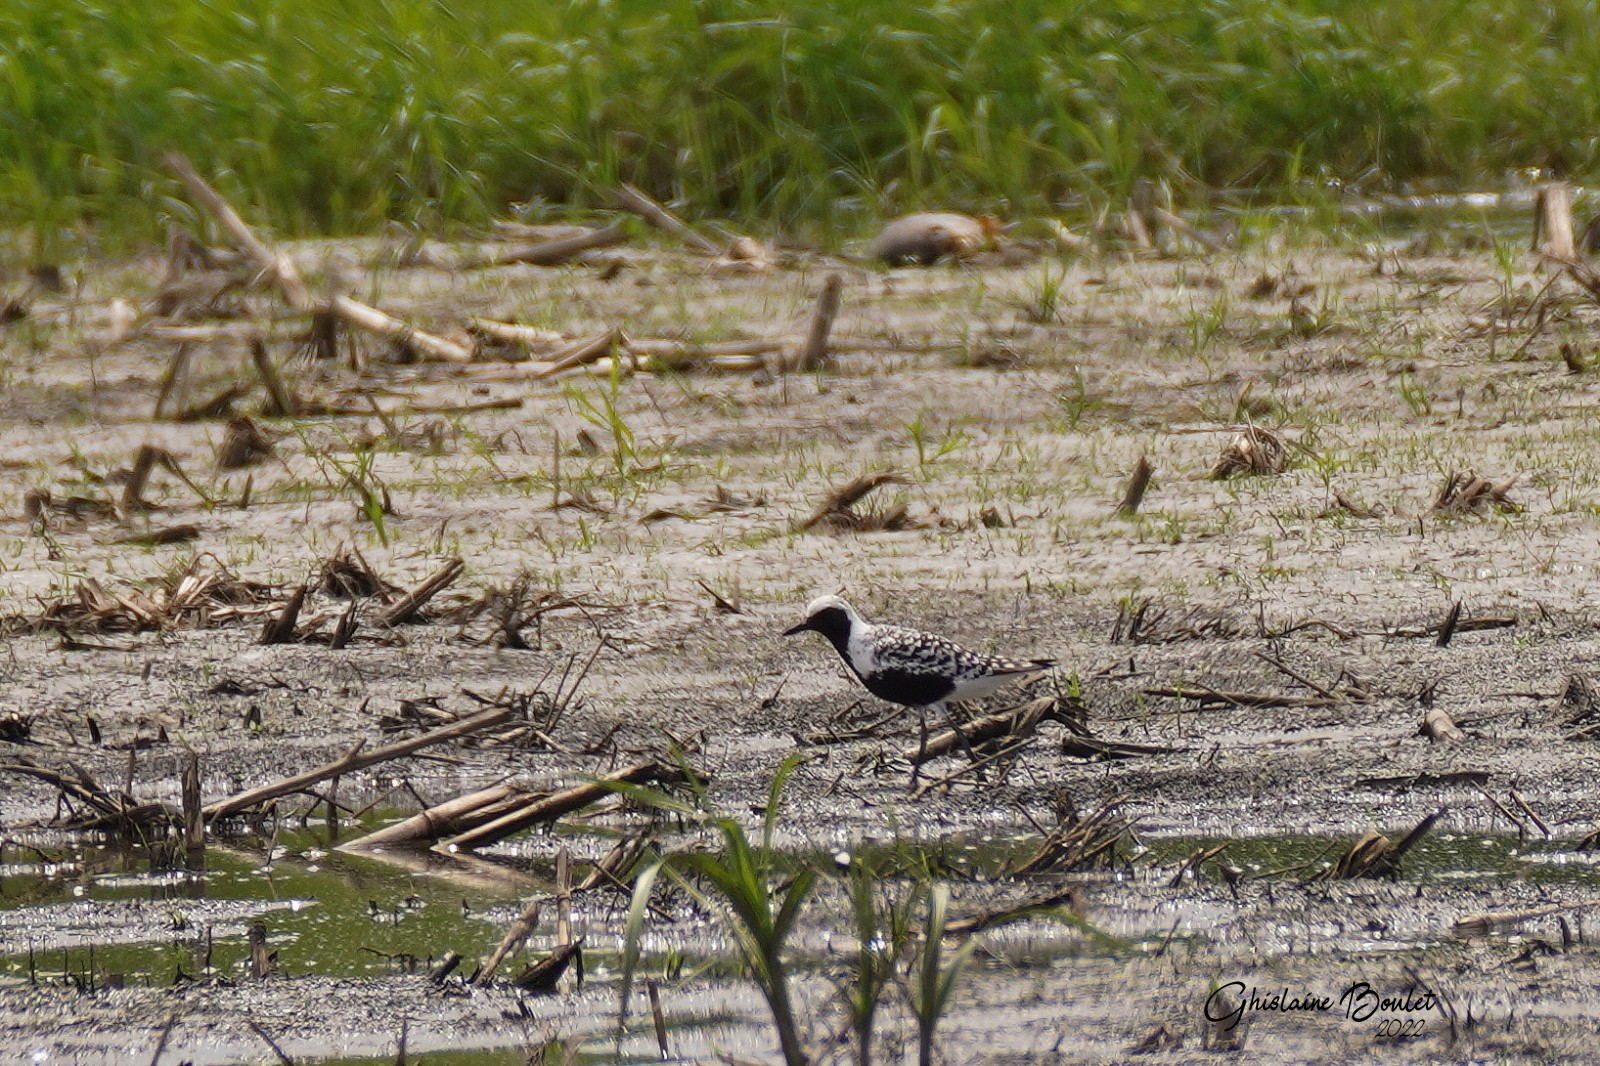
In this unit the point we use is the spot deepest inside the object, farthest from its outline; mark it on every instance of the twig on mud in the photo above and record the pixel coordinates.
(1255, 450)
(813, 355)
(544, 253)
(280, 267)
(280, 628)
(1462, 625)
(516, 934)
(1464, 494)
(283, 403)
(837, 509)
(1069, 898)
(1290, 673)
(1522, 805)
(631, 199)
(1375, 855)
(723, 605)
(1138, 483)
(145, 461)
(407, 607)
(406, 338)
(976, 764)
(175, 370)
(353, 761)
(547, 808)
(165, 1035)
(1504, 921)
(1012, 724)
(1205, 698)
(1086, 747)
(255, 1027)
(1079, 842)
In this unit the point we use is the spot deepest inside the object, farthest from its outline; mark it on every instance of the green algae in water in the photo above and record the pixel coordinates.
(325, 912)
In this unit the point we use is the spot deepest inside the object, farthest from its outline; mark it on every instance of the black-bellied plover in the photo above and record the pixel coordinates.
(908, 666)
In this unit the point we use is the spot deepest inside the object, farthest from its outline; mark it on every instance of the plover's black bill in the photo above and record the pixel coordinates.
(801, 628)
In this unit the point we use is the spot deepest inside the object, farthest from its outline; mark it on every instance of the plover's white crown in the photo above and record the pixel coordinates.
(909, 666)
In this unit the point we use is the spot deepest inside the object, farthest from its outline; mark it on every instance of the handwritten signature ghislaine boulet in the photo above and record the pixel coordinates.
(1228, 1004)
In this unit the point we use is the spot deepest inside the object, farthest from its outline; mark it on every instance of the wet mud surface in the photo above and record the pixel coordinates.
(1310, 600)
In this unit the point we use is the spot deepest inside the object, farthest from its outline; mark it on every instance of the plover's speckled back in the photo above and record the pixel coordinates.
(908, 666)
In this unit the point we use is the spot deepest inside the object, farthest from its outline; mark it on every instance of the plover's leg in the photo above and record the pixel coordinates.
(950, 716)
(922, 745)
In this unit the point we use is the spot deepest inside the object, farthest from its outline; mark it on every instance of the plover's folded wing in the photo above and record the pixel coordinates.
(1000, 664)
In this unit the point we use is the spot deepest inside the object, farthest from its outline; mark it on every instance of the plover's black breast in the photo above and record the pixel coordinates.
(908, 666)
(918, 669)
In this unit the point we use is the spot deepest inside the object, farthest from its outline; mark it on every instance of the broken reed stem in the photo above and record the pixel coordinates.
(1137, 484)
(344, 629)
(280, 628)
(653, 987)
(1178, 225)
(839, 501)
(279, 266)
(283, 1060)
(260, 961)
(814, 354)
(283, 402)
(584, 351)
(1013, 724)
(1448, 629)
(1552, 221)
(631, 199)
(161, 1040)
(1522, 804)
(1504, 921)
(368, 318)
(440, 820)
(545, 253)
(564, 896)
(175, 368)
(405, 609)
(354, 761)
(144, 462)
(548, 808)
(519, 931)
(194, 822)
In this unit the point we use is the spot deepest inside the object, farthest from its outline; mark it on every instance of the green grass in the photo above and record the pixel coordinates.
(331, 118)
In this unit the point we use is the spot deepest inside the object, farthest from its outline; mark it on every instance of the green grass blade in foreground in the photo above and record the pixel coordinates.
(935, 981)
(734, 885)
(632, 930)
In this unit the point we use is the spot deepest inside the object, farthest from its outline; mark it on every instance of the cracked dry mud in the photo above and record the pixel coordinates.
(1016, 437)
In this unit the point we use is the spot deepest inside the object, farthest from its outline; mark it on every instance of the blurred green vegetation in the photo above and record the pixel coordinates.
(332, 118)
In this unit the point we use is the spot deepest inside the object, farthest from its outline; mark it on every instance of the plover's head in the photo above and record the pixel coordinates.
(830, 616)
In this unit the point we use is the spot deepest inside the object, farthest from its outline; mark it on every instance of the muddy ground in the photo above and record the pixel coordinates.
(1016, 419)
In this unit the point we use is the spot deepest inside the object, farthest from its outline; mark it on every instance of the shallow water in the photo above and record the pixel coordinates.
(100, 913)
